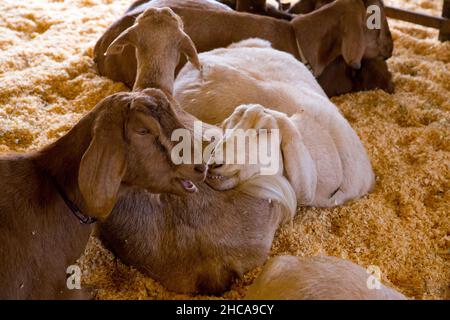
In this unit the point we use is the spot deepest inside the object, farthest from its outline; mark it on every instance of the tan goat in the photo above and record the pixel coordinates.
(45, 195)
(202, 242)
(318, 38)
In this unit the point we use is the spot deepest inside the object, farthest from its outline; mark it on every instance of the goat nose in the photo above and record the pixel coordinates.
(216, 165)
(200, 168)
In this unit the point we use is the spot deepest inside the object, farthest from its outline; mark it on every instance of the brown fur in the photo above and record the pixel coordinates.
(378, 43)
(190, 244)
(339, 78)
(113, 148)
(373, 74)
(210, 29)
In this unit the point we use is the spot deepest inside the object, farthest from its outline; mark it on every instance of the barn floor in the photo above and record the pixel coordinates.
(48, 81)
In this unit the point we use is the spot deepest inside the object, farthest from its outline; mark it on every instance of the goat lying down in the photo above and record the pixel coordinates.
(324, 158)
(317, 278)
(202, 242)
(334, 40)
(338, 77)
(44, 195)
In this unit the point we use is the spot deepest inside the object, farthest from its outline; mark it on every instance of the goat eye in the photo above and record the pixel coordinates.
(143, 131)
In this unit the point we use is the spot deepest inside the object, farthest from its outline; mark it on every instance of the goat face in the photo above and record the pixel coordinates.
(244, 124)
(157, 33)
(378, 40)
(131, 145)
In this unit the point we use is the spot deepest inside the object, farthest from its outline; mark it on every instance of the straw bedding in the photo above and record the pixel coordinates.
(48, 81)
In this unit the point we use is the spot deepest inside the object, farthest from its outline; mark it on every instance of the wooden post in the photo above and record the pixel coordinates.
(443, 35)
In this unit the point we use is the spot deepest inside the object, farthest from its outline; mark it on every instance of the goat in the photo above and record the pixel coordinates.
(325, 160)
(188, 243)
(45, 194)
(317, 278)
(317, 38)
(338, 78)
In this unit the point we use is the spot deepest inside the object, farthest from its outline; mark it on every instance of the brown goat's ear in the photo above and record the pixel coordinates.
(101, 171)
(353, 41)
(123, 40)
(188, 48)
(333, 30)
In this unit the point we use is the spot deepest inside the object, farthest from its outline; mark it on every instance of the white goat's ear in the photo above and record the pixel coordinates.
(123, 40)
(187, 47)
(299, 167)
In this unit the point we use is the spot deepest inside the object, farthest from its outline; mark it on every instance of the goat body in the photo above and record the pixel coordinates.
(318, 278)
(39, 236)
(108, 152)
(251, 72)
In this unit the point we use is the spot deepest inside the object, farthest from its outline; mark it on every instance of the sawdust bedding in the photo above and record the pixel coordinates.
(48, 81)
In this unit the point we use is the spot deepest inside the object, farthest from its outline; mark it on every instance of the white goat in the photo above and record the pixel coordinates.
(318, 278)
(330, 165)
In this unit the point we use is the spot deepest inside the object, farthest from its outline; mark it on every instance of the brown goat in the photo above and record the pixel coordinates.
(320, 34)
(112, 150)
(339, 78)
(190, 244)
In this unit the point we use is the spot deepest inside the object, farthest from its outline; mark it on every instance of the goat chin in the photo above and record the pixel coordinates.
(273, 187)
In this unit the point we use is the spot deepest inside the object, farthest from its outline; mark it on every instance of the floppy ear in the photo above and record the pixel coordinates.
(299, 167)
(187, 47)
(101, 171)
(119, 44)
(333, 30)
(353, 40)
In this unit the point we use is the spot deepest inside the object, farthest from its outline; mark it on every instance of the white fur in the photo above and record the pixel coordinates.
(251, 72)
(317, 278)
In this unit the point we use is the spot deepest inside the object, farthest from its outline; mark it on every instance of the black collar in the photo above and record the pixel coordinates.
(84, 219)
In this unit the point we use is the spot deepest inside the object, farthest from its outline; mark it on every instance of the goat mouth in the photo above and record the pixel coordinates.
(221, 183)
(188, 186)
(215, 177)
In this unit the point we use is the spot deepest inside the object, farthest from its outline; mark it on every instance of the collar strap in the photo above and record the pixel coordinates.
(84, 219)
(302, 56)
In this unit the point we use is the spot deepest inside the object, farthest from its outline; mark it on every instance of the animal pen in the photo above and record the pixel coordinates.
(49, 80)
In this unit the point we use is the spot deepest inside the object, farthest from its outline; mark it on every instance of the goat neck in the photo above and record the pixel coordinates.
(60, 161)
(157, 72)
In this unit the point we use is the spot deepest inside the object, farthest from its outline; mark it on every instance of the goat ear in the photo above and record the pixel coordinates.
(119, 44)
(299, 166)
(188, 48)
(101, 171)
(333, 30)
(353, 41)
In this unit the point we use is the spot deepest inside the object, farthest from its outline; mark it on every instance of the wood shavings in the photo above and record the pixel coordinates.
(48, 81)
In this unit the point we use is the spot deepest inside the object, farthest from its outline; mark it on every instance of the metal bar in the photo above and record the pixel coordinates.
(440, 23)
